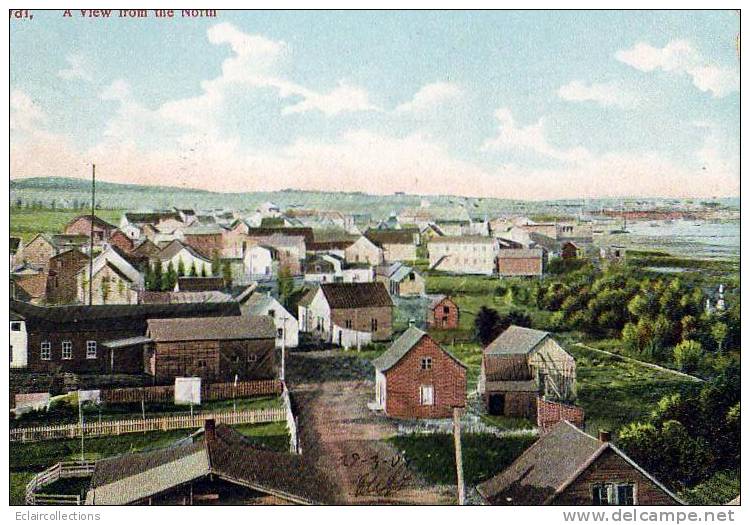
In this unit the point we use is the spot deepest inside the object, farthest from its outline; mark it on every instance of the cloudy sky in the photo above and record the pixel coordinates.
(532, 105)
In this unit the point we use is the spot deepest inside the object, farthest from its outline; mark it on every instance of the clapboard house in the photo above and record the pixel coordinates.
(566, 466)
(214, 349)
(80, 339)
(520, 365)
(221, 467)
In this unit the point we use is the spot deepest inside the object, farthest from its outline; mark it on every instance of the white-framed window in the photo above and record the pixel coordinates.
(426, 395)
(252, 358)
(613, 494)
(15, 326)
(45, 351)
(90, 349)
(67, 350)
(348, 324)
(426, 363)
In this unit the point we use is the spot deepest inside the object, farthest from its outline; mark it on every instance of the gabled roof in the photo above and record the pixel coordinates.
(308, 297)
(146, 248)
(520, 253)
(211, 328)
(550, 466)
(383, 237)
(98, 221)
(402, 272)
(151, 217)
(401, 347)
(34, 285)
(516, 340)
(356, 295)
(175, 247)
(462, 239)
(200, 284)
(259, 303)
(228, 455)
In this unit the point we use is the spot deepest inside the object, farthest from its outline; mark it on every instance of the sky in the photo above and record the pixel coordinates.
(508, 104)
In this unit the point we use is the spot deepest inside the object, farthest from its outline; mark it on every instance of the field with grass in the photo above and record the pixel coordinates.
(28, 458)
(26, 223)
(484, 455)
(614, 392)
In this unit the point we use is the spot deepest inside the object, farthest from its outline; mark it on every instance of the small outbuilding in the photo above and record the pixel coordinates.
(418, 378)
(442, 313)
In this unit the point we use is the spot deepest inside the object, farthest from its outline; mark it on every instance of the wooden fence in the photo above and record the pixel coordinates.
(126, 426)
(64, 470)
(209, 392)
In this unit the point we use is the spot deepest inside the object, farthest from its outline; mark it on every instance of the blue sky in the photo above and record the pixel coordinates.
(507, 104)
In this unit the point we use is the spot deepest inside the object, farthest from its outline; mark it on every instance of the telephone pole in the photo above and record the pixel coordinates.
(91, 235)
(459, 459)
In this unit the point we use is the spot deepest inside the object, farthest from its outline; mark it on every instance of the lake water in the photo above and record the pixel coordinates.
(709, 240)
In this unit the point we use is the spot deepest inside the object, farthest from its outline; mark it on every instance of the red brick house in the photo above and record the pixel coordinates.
(417, 378)
(442, 313)
(81, 225)
(119, 239)
(206, 240)
(218, 348)
(521, 262)
(566, 466)
(61, 280)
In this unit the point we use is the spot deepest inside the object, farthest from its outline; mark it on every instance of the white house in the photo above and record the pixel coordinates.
(363, 250)
(18, 341)
(116, 281)
(463, 254)
(287, 327)
(260, 262)
(175, 252)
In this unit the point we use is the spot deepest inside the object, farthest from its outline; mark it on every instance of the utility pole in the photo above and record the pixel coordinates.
(459, 460)
(91, 235)
(283, 347)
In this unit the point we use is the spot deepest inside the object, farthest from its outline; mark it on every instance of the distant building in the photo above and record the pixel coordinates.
(199, 284)
(521, 262)
(463, 254)
(417, 378)
(82, 225)
(442, 313)
(62, 286)
(397, 245)
(363, 250)
(400, 279)
(120, 239)
(287, 327)
(569, 467)
(39, 251)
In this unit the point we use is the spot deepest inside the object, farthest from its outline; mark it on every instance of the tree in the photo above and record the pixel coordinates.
(158, 276)
(148, 277)
(180, 268)
(688, 355)
(170, 279)
(215, 263)
(192, 272)
(204, 273)
(226, 273)
(486, 325)
(286, 285)
(719, 333)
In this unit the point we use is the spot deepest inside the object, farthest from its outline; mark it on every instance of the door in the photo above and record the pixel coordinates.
(496, 404)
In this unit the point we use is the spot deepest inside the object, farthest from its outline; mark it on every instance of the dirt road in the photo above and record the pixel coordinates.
(346, 439)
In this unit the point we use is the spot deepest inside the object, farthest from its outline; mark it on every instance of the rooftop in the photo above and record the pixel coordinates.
(515, 340)
(211, 328)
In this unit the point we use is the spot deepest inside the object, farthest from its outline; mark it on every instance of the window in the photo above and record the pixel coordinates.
(426, 363)
(426, 395)
(46, 351)
(90, 349)
(613, 494)
(15, 326)
(11, 353)
(252, 358)
(272, 313)
(446, 309)
(279, 333)
(374, 325)
(67, 350)
(348, 324)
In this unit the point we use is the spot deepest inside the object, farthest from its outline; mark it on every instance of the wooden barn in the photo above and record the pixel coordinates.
(521, 364)
(566, 466)
(442, 313)
(417, 378)
(222, 468)
(219, 348)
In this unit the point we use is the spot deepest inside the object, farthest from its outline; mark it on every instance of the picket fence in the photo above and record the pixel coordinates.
(209, 392)
(63, 470)
(126, 426)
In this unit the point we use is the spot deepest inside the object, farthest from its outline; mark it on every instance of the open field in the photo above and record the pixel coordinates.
(614, 392)
(26, 223)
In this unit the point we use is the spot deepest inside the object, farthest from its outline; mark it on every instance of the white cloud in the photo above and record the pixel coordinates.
(78, 68)
(430, 96)
(529, 138)
(25, 114)
(679, 56)
(343, 98)
(606, 94)
(118, 90)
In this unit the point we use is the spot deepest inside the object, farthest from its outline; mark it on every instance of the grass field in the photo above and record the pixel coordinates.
(27, 223)
(484, 455)
(614, 392)
(29, 458)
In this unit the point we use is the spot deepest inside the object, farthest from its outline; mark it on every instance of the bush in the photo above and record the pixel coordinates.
(688, 355)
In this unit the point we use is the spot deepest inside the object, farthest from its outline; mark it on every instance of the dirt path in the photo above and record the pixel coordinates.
(346, 439)
(643, 363)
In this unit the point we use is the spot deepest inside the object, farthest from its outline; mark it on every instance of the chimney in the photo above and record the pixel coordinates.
(209, 430)
(604, 436)
(411, 323)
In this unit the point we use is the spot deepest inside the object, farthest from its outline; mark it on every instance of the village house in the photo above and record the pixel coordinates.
(442, 313)
(363, 250)
(418, 378)
(575, 231)
(520, 365)
(566, 466)
(62, 285)
(347, 314)
(521, 262)
(463, 254)
(545, 228)
(155, 219)
(192, 261)
(261, 262)
(115, 280)
(261, 233)
(329, 268)
(400, 279)
(212, 348)
(571, 250)
(121, 240)
(287, 327)
(397, 245)
(39, 251)
(82, 225)
(429, 231)
(147, 249)
(220, 467)
(29, 287)
(551, 246)
(74, 338)
(206, 240)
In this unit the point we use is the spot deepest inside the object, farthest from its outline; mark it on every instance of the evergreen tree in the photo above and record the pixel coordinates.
(180, 268)
(170, 279)
(215, 263)
(158, 276)
(148, 277)
(226, 273)
(192, 272)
